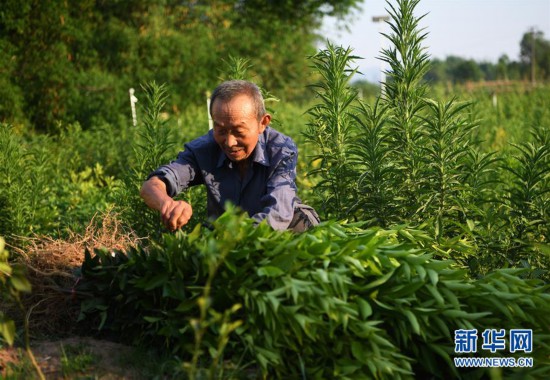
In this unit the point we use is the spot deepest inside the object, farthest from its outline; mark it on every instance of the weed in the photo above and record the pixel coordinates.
(76, 361)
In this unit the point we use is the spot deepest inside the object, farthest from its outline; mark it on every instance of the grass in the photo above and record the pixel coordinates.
(82, 358)
(76, 361)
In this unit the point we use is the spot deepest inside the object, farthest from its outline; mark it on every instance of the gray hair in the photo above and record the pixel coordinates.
(232, 88)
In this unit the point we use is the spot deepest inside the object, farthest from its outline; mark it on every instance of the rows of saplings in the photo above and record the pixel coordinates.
(434, 235)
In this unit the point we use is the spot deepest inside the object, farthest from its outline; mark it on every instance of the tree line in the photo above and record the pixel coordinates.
(63, 61)
(533, 64)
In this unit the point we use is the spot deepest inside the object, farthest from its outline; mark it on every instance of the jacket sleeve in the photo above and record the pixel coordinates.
(179, 174)
(280, 198)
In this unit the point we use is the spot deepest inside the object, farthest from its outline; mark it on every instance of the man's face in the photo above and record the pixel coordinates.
(236, 126)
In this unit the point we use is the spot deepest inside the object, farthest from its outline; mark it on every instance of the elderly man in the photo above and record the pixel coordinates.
(242, 160)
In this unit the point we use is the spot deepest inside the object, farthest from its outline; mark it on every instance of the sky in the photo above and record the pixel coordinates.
(482, 30)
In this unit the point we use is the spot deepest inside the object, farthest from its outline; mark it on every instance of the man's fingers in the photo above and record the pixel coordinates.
(176, 214)
(188, 211)
(185, 215)
(166, 211)
(182, 221)
(173, 218)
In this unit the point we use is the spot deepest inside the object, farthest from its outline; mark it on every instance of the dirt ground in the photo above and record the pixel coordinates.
(106, 360)
(52, 266)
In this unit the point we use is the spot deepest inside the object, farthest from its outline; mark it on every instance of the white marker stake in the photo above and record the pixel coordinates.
(133, 101)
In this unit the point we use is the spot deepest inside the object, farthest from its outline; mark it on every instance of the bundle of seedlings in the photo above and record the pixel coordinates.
(338, 301)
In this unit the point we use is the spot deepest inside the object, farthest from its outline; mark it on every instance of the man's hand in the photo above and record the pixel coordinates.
(175, 214)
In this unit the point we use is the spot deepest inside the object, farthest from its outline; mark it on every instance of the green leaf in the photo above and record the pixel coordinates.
(153, 282)
(152, 319)
(5, 269)
(406, 234)
(544, 248)
(434, 277)
(269, 271)
(380, 281)
(185, 306)
(413, 321)
(358, 351)
(465, 314)
(7, 330)
(20, 283)
(435, 294)
(365, 309)
(421, 271)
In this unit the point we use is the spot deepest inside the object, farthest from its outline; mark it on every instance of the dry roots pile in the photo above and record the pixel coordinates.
(53, 268)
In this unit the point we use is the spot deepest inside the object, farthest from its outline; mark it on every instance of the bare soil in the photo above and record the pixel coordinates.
(108, 360)
(52, 310)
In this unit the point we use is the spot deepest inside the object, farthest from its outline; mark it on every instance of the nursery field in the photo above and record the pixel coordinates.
(434, 242)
